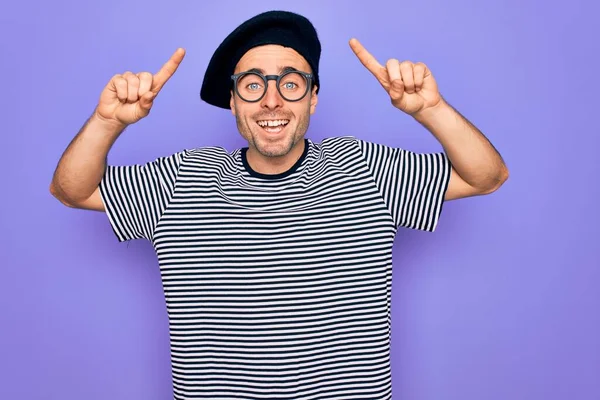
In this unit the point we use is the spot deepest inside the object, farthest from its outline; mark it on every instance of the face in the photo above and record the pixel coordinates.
(252, 118)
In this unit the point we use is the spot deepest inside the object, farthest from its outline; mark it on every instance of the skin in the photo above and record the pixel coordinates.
(273, 153)
(126, 99)
(477, 168)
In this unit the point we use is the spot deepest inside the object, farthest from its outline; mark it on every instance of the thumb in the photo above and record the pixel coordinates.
(146, 100)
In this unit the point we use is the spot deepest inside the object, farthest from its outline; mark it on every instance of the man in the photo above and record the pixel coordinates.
(276, 259)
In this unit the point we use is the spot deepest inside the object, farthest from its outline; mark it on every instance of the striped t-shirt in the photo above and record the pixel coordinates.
(278, 286)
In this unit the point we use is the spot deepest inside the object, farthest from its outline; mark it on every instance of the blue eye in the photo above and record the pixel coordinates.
(253, 86)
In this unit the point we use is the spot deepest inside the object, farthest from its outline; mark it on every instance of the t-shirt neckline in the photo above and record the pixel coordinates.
(281, 175)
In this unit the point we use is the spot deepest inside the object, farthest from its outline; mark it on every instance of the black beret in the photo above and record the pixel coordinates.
(273, 27)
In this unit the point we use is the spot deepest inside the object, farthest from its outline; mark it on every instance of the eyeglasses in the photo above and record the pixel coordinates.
(251, 86)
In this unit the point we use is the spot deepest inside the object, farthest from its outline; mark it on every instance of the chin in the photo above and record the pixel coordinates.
(274, 147)
(272, 143)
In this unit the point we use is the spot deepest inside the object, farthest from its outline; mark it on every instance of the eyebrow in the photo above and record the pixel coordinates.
(281, 70)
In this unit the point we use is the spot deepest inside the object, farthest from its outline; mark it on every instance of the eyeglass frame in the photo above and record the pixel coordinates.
(277, 78)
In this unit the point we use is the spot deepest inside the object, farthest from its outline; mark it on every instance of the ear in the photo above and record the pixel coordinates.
(232, 103)
(314, 99)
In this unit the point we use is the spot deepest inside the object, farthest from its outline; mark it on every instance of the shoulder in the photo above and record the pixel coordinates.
(337, 145)
(350, 146)
(208, 155)
(339, 142)
(335, 141)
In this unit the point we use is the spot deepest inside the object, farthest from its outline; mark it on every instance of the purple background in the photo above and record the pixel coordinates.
(502, 302)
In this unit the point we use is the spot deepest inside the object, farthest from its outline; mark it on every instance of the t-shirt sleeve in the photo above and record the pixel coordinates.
(136, 196)
(413, 185)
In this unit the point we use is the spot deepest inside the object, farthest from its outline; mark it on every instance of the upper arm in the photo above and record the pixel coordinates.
(94, 202)
(458, 188)
(412, 184)
(136, 196)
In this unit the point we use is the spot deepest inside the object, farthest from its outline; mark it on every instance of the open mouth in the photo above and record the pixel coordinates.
(273, 125)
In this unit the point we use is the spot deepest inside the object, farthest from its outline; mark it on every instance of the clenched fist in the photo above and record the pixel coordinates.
(128, 97)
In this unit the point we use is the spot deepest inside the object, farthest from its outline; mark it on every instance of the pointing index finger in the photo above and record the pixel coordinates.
(167, 70)
(368, 61)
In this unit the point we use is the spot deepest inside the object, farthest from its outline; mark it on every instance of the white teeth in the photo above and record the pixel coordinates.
(273, 122)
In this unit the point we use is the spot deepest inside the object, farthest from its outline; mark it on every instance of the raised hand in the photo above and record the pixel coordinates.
(128, 97)
(411, 86)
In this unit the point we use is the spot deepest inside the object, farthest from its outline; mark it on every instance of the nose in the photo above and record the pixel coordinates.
(272, 99)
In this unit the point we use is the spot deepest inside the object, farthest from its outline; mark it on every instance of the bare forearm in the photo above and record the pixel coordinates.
(472, 156)
(82, 165)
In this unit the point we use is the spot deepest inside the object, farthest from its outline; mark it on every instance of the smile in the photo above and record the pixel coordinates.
(273, 123)
(273, 126)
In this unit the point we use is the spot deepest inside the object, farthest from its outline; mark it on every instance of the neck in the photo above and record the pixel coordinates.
(274, 165)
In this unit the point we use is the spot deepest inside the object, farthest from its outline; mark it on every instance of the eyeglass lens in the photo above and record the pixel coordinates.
(292, 86)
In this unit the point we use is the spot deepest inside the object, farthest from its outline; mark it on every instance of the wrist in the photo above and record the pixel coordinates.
(430, 114)
(110, 126)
